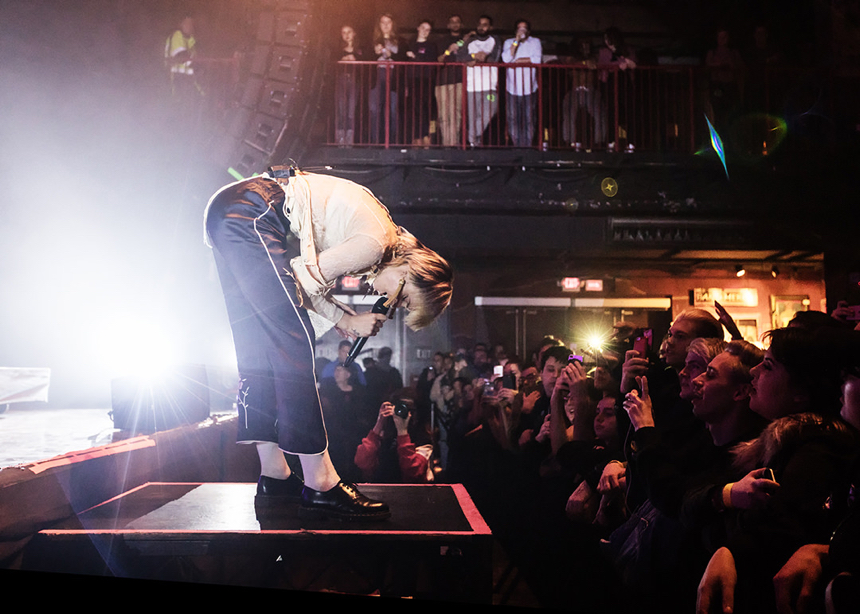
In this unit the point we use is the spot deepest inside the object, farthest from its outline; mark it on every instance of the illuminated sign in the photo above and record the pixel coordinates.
(570, 284)
(350, 283)
(727, 297)
(594, 285)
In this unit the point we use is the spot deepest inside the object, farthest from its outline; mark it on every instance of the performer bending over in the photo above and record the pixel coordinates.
(278, 302)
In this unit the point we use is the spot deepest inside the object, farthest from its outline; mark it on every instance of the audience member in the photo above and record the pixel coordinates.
(670, 555)
(347, 418)
(499, 355)
(760, 57)
(481, 366)
(671, 414)
(346, 86)
(583, 94)
(521, 83)
(449, 83)
(686, 516)
(424, 388)
(847, 314)
(327, 372)
(482, 96)
(617, 62)
(808, 448)
(383, 379)
(554, 360)
(825, 575)
(547, 342)
(726, 80)
(388, 453)
(421, 84)
(387, 47)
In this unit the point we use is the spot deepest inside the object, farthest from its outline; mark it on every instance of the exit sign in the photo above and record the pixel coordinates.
(570, 284)
(350, 283)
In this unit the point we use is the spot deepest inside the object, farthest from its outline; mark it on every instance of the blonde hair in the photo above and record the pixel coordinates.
(706, 347)
(431, 275)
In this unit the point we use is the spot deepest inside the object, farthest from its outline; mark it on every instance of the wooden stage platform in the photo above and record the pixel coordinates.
(434, 546)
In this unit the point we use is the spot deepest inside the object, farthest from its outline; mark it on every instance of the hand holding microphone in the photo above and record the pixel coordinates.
(384, 307)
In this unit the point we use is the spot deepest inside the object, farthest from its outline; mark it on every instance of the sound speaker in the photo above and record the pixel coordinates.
(176, 397)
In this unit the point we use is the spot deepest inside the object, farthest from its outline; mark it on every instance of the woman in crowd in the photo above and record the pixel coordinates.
(421, 84)
(386, 80)
(789, 471)
(346, 86)
(828, 573)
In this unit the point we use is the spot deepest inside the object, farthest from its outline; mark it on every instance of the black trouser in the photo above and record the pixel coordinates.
(278, 399)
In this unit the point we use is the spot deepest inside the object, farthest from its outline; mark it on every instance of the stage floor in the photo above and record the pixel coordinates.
(435, 545)
(30, 434)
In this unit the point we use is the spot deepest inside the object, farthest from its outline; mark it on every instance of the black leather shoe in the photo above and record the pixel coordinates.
(272, 491)
(344, 501)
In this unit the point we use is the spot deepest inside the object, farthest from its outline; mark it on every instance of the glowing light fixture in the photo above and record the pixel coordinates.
(138, 347)
(740, 271)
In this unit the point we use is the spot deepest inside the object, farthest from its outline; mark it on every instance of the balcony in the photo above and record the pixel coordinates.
(653, 109)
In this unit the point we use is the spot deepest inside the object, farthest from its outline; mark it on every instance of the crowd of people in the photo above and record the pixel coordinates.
(470, 86)
(700, 474)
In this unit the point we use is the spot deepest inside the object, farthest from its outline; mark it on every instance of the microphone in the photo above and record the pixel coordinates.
(383, 305)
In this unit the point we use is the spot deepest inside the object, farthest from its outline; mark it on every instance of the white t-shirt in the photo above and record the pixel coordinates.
(482, 78)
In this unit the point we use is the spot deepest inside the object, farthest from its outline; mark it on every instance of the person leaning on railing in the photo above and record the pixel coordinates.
(522, 83)
(387, 47)
(449, 83)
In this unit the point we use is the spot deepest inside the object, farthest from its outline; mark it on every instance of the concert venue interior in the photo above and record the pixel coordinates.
(118, 374)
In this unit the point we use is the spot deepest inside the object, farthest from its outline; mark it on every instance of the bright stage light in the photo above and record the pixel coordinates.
(134, 347)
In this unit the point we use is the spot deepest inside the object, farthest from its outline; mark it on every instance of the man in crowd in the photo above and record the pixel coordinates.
(521, 84)
(449, 83)
(482, 81)
(342, 353)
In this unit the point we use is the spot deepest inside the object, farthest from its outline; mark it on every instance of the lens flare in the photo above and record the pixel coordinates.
(717, 144)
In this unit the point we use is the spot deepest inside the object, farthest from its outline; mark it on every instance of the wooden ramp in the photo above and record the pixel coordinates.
(434, 546)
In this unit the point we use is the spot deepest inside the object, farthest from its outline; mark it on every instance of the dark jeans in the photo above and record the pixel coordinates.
(377, 110)
(521, 119)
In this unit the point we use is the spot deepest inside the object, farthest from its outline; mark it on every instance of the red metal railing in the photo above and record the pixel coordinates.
(651, 108)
